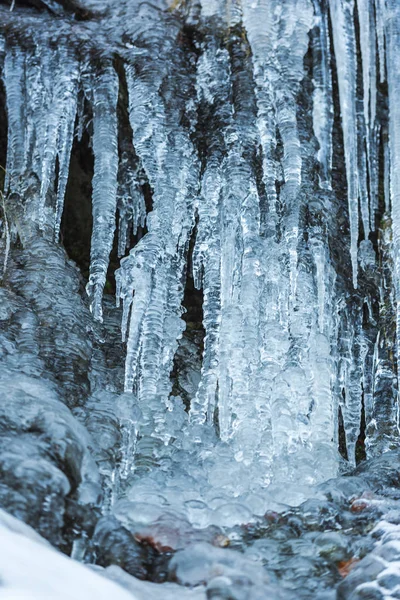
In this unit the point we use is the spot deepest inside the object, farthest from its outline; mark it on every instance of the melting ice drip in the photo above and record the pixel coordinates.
(289, 342)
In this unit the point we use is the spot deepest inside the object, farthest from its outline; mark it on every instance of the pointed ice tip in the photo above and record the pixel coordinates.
(354, 263)
(97, 311)
(355, 282)
(95, 293)
(96, 305)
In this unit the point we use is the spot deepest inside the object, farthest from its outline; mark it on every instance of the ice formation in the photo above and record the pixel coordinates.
(250, 150)
(273, 308)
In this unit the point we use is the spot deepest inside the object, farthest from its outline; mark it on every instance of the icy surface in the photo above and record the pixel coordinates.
(31, 569)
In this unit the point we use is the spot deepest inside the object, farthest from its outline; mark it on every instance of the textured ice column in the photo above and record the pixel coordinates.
(324, 403)
(46, 141)
(155, 269)
(294, 29)
(303, 402)
(59, 116)
(41, 90)
(104, 197)
(351, 367)
(342, 18)
(248, 387)
(146, 255)
(38, 83)
(279, 41)
(66, 126)
(131, 203)
(393, 78)
(287, 123)
(240, 268)
(368, 55)
(323, 351)
(208, 276)
(322, 95)
(14, 83)
(363, 155)
(213, 90)
(226, 250)
(381, 414)
(380, 12)
(260, 21)
(233, 362)
(227, 254)
(290, 355)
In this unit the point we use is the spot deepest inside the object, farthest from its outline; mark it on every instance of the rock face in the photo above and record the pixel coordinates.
(228, 173)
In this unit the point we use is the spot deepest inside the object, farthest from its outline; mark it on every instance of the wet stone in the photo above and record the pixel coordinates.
(389, 579)
(367, 593)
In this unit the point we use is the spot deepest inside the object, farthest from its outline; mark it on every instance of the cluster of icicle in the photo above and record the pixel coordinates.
(280, 344)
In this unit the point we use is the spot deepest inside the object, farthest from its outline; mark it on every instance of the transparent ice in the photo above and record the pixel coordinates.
(256, 164)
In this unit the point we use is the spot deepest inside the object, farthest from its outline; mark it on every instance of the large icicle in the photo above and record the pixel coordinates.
(393, 77)
(14, 83)
(155, 268)
(322, 97)
(342, 18)
(295, 348)
(213, 91)
(66, 125)
(351, 345)
(104, 86)
(59, 116)
(41, 114)
(368, 56)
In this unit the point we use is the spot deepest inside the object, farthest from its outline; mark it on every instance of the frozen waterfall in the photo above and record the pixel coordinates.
(228, 175)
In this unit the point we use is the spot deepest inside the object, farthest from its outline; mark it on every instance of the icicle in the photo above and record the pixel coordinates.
(290, 337)
(38, 81)
(367, 44)
(68, 109)
(80, 114)
(342, 18)
(381, 410)
(104, 197)
(208, 244)
(44, 123)
(369, 162)
(380, 11)
(14, 82)
(320, 259)
(131, 203)
(145, 255)
(286, 119)
(352, 356)
(263, 42)
(167, 157)
(213, 90)
(49, 140)
(59, 115)
(393, 78)
(362, 181)
(322, 95)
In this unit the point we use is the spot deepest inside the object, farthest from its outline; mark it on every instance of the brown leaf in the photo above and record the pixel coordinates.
(345, 566)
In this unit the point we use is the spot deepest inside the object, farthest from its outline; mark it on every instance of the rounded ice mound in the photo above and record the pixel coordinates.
(204, 564)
